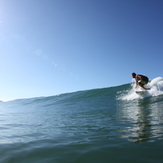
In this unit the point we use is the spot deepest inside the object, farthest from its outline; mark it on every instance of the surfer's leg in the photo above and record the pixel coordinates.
(142, 86)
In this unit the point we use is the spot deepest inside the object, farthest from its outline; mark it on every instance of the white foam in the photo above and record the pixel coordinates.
(155, 85)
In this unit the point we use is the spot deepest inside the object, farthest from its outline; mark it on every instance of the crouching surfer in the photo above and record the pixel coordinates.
(141, 80)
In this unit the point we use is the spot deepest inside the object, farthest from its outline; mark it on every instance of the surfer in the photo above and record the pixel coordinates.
(141, 80)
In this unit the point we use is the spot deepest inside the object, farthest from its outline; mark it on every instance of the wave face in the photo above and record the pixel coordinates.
(101, 125)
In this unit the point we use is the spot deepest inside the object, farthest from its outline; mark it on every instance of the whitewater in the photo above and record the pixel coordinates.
(101, 125)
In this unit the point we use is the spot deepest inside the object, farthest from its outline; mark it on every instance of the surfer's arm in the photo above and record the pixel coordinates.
(136, 86)
(137, 78)
(136, 83)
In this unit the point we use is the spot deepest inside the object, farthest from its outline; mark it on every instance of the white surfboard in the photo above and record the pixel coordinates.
(140, 92)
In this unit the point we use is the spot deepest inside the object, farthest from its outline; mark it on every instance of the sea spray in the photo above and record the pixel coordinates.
(156, 86)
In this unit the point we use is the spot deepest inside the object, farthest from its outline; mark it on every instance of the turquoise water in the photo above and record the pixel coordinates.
(100, 126)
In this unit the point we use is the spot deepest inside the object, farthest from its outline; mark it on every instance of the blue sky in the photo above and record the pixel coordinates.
(49, 47)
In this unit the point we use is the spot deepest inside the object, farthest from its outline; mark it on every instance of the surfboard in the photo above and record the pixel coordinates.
(140, 92)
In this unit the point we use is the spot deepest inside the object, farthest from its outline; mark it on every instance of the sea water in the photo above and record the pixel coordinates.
(99, 126)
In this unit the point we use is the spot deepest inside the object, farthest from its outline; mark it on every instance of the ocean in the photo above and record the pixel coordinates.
(108, 125)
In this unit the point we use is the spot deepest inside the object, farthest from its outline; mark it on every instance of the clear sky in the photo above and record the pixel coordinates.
(49, 47)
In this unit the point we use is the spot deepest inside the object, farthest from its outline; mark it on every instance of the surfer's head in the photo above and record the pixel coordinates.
(133, 75)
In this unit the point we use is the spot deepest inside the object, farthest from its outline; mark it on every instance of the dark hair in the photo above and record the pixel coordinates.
(133, 75)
